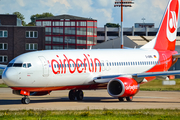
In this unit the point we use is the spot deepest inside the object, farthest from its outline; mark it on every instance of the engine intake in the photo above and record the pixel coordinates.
(122, 87)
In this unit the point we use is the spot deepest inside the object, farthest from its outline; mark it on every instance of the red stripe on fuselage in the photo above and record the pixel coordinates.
(78, 87)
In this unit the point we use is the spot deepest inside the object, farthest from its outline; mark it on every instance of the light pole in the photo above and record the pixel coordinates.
(123, 3)
(143, 19)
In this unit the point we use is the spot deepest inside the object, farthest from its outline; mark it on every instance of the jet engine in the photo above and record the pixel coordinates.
(122, 87)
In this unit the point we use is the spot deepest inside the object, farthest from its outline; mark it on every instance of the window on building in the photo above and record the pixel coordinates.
(72, 23)
(38, 23)
(57, 23)
(57, 40)
(57, 47)
(95, 31)
(89, 31)
(3, 46)
(95, 24)
(48, 30)
(3, 59)
(95, 40)
(67, 23)
(90, 40)
(81, 31)
(48, 47)
(81, 23)
(81, 40)
(69, 47)
(70, 31)
(31, 34)
(90, 24)
(31, 46)
(47, 40)
(3, 33)
(46, 23)
(57, 30)
(70, 40)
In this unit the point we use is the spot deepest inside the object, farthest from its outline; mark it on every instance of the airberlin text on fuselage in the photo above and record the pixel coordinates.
(79, 65)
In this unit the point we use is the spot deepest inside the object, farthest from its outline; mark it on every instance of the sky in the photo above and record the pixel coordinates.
(101, 10)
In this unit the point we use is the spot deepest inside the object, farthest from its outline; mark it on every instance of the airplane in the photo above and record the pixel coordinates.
(120, 71)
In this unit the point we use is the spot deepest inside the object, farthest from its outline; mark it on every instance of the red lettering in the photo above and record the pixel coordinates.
(52, 66)
(88, 63)
(61, 66)
(79, 66)
(95, 59)
(78, 63)
(70, 60)
(92, 63)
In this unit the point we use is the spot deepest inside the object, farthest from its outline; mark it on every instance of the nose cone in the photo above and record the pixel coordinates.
(10, 76)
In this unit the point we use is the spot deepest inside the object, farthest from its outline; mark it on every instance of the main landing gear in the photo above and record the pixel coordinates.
(25, 100)
(129, 99)
(73, 94)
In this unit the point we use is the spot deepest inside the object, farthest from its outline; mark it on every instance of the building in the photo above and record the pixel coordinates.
(68, 32)
(108, 33)
(144, 25)
(16, 39)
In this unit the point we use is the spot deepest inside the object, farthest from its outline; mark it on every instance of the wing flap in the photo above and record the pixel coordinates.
(138, 77)
(166, 73)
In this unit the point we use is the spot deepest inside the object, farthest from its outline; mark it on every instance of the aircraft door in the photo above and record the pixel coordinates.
(45, 66)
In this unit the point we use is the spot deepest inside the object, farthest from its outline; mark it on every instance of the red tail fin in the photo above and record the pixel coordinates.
(166, 36)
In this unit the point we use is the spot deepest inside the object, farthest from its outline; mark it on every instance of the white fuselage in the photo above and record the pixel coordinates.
(79, 67)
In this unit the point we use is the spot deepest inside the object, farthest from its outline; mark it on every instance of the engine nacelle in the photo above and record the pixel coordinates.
(122, 87)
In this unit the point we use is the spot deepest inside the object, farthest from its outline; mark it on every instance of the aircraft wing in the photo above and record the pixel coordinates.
(138, 76)
(3, 66)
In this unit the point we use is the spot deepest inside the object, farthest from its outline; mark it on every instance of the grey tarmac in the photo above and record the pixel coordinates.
(99, 99)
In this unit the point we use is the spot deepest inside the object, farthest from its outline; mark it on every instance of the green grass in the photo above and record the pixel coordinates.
(156, 85)
(3, 85)
(145, 114)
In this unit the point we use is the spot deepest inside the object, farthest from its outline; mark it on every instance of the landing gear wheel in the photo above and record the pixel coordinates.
(25, 100)
(121, 99)
(72, 95)
(79, 95)
(129, 99)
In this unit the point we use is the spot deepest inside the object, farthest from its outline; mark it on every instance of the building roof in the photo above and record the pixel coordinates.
(65, 16)
(115, 43)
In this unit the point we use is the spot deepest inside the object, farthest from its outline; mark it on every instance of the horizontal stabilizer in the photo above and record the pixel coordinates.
(176, 56)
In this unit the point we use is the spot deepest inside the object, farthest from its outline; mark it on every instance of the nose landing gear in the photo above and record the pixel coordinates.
(73, 94)
(25, 100)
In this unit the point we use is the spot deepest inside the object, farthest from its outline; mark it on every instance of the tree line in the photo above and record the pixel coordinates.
(44, 15)
(33, 17)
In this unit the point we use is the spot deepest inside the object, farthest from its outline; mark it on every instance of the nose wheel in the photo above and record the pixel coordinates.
(25, 100)
(73, 94)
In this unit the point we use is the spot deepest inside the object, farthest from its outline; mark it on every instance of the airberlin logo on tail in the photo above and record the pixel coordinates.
(59, 66)
(172, 20)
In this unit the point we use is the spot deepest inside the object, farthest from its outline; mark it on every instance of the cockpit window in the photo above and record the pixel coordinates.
(10, 64)
(24, 65)
(17, 65)
(27, 65)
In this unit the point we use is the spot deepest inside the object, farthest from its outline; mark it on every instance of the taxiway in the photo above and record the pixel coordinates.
(99, 99)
